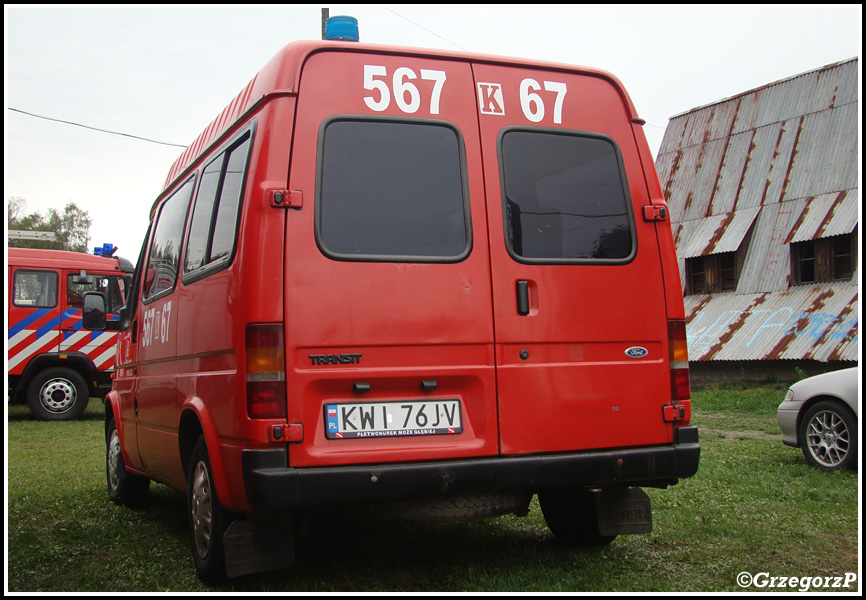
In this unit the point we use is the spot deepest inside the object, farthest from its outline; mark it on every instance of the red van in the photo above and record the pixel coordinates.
(438, 279)
(53, 363)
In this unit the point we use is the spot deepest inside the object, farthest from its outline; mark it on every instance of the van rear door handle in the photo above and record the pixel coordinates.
(523, 298)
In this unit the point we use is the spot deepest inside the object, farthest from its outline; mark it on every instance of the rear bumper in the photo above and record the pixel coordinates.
(270, 485)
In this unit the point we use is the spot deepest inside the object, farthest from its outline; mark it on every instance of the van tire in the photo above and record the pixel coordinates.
(57, 394)
(206, 517)
(123, 488)
(571, 514)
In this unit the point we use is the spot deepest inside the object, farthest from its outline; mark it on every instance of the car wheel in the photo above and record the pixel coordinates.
(206, 518)
(828, 436)
(123, 487)
(571, 514)
(57, 394)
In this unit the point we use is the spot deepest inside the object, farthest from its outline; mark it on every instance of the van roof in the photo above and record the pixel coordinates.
(281, 77)
(60, 259)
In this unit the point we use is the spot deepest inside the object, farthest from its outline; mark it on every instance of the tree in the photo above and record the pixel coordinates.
(71, 227)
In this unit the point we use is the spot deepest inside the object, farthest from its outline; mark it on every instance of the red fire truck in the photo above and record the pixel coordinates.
(53, 363)
(434, 279)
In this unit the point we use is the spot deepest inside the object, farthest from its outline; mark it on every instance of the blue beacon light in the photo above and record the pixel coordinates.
(106, 250)
(342, 28)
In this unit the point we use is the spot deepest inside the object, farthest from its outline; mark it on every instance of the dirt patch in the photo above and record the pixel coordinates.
(719, 424)
(730, 433)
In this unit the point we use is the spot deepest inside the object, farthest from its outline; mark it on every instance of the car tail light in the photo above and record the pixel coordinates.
(679, 360)
(266, 371)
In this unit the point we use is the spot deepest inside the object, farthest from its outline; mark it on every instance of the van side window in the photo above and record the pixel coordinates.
(564, 198)
(214, 222)
(392, 190)
(35, 289)
(164, 256)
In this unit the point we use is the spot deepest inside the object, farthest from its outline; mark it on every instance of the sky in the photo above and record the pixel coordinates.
(164, 73)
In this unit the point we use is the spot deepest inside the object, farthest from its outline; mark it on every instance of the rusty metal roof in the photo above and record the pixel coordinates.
(719, 233)
(782, 162)
(826, 215)
(818, 322)
(791, 140)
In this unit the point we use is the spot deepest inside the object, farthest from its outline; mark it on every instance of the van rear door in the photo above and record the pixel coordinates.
(388, 315)
(579, 305)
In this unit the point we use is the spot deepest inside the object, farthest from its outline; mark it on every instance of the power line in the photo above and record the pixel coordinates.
(96, 128)
(427, 30)
(459, 46)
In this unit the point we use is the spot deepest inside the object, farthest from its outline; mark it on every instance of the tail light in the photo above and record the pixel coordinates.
(679, 360)
(266, 371)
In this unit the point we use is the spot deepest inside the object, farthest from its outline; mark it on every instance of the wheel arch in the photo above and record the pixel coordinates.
(196, 421)
(812, 402)
(112, 412)
(74, 361)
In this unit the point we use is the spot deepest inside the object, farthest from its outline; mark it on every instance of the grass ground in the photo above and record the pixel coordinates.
(754, 507)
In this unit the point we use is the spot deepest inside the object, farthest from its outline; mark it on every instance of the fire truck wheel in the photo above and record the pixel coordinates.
(123, 488)
(206, 518)
(571, 514)
(57, 394)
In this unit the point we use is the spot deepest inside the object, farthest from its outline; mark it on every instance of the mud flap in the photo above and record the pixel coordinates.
(259, 545)
(623, 512)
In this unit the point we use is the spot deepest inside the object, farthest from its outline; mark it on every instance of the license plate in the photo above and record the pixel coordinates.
(390, 419)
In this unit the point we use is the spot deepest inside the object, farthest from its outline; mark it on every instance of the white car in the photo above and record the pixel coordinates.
(819, 415)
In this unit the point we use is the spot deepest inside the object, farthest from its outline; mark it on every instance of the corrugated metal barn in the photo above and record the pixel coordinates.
(763, 197)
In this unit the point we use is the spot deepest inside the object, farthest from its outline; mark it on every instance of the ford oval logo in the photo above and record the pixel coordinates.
(636, 352)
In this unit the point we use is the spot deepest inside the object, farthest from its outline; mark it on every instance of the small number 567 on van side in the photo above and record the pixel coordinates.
(439, 280)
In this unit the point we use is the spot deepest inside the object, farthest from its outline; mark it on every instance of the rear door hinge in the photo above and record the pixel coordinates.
(671, 413)
(286, 432)
(286, 198)
(655, 212)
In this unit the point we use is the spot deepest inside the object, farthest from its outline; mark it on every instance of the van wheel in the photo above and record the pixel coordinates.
(57, 394)
(571, 514)
(123, 488)
(206, 518)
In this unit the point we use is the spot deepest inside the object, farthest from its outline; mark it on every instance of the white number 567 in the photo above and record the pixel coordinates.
(405, 93)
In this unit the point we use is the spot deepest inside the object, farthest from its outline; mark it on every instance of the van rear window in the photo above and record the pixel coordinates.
(565, 198)
(392, 191)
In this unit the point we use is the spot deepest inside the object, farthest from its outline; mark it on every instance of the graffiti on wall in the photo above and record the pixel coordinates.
(758, 328)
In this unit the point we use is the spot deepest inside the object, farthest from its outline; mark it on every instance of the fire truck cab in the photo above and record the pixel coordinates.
(54, 364)
(384, 274)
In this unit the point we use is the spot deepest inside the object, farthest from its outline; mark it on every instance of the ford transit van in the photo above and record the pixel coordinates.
(437, 280)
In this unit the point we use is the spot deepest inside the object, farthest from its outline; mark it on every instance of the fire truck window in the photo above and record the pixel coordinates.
(565, 198)
(215, 216)
(108, 286)
(35, 289)
(392, 191)
(164, 255)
